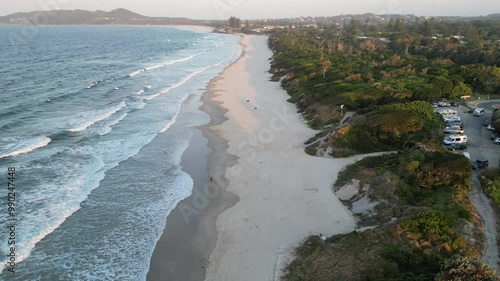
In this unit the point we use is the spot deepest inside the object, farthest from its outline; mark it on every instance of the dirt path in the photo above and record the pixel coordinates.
(483, 206)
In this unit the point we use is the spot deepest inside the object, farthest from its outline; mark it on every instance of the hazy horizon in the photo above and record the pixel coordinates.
(258, 9)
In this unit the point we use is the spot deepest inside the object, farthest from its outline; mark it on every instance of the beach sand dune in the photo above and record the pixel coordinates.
(284, 194)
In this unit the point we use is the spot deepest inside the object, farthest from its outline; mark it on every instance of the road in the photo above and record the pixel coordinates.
(481, 146)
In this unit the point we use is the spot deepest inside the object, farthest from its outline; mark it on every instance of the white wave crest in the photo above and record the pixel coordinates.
(177, 113)
(93, 84)
(107, 128)
(178, 84)
(152, 96)
(135, 73)
(27, 146)
(153, 67)
(219, 63)
(100, 117)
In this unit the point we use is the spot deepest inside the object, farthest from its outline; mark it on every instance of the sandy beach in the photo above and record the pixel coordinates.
(284, 194)
(258, 194)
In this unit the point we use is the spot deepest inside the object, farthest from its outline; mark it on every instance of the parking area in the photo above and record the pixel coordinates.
(480, 145)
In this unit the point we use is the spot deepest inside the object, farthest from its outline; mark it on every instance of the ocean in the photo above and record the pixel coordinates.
(94, 119)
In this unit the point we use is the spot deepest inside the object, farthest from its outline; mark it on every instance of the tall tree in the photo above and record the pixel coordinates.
(355, 26)
(390, 26)
(445, 29)
(234, 22)
(399, 26)
(472, 37)
(461, 89)
(428, 27)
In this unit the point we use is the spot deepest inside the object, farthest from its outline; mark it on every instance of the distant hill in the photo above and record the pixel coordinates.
(493, 16)
(82, 17)
(126, 17)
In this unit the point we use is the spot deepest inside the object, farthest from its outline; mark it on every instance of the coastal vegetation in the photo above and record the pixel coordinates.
(424, 219)
(329, 70)
(490, 181)
(495, 119)
(367, 89)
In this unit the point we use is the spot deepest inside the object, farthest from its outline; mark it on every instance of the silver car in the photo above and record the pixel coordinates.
(453, 130)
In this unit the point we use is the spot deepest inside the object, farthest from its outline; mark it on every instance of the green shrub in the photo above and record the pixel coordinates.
(413, 264)
(466, 269)
(432, 229)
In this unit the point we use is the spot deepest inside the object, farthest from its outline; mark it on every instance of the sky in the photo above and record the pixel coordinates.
(259, 9)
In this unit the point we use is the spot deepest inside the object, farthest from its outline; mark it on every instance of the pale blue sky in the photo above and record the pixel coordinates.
(256, 9)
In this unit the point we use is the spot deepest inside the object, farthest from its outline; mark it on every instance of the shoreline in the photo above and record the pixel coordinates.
(183, 250)
(267, 193)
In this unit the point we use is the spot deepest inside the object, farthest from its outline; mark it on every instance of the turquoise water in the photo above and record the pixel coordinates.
(95, 120)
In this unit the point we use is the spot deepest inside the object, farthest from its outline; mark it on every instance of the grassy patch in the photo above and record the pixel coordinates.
(312, 149)
(490, 181)
(343, 257)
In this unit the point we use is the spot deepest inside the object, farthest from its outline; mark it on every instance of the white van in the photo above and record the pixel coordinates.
(478, 111)
(458, 139)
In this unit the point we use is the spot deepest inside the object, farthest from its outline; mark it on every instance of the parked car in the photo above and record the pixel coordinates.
(496, 141)
(494, 136)
(453, 130)
(490, 128)
(455, 139)
(454, 104)
(455, 123)
(443, 104)
(452, 119)
(486, 123)
(478, 112)
(480, 164)
(457, 146)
